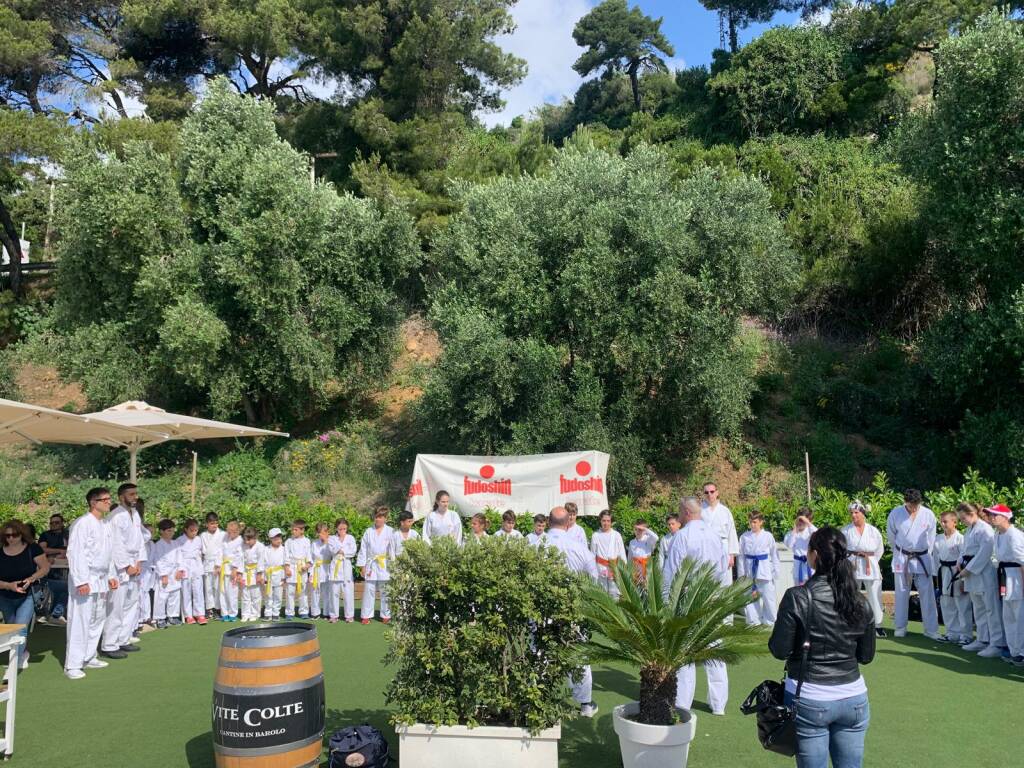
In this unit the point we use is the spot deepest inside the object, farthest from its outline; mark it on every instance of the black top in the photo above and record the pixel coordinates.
(17, 567)
(837, 648)
(54, 539)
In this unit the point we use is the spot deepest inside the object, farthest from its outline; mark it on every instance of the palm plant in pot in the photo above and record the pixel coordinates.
(659, 631)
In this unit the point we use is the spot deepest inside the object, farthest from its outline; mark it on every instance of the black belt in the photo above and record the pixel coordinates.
(914, 556)
(1001, 571)
(950, 564)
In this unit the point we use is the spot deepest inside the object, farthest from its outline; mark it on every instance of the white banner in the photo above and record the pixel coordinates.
(524, 484)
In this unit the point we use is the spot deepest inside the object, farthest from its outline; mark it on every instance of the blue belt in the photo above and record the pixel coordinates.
(755, 561)
(803, 571)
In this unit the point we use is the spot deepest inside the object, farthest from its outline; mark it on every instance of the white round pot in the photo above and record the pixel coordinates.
(652, 746)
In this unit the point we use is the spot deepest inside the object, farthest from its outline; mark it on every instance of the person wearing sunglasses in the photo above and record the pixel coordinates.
(719, 517)
(22, 563)
(92, 575)
(55, 544)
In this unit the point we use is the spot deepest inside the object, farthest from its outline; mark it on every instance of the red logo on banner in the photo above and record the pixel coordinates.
(500, 487)
(574, 485)
(416, 489)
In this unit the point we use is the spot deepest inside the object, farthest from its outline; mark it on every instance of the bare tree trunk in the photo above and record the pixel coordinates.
(634, 82)
(657, 696)
(734, 39)
(12, 241)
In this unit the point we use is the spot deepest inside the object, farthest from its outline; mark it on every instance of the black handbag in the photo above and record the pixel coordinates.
(42, 598)
(360, 746)
(776, 720)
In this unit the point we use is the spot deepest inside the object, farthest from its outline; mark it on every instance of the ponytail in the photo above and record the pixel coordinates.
(833, 564)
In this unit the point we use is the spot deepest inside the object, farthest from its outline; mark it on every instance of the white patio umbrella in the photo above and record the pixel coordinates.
(168, 426)
(27, 423)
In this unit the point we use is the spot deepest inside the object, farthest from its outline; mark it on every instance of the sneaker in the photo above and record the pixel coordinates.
(189, 620)
(61, 620)
(386, 621)
(130, 648)
(96, 664)
(136, 638)
(1018, 661)
(976, 646)
(900, 633)
(174, 622)
(161, 624)
(588, 710)
(332, 621)
(74, 674)
(349, 621)
(946, 639)
(1005, 653)
(201, 620)
(115, 654)
(364, 621)
(991, 652)
(879, 632)
(1007, 659)
(934, 636)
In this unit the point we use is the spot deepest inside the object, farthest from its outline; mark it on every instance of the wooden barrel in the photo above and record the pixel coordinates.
(268, 697)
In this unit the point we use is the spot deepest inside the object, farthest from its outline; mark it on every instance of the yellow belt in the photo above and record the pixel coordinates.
(381, 561)
(317, 565)
(250, 574)
(296, 562)
(268, 572)
(338, 562)
(223, 571)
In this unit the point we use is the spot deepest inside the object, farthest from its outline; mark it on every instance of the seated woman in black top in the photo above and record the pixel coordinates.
(833, 712)
(22, 563)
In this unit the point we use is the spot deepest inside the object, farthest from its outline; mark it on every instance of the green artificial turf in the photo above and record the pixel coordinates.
(932, 706)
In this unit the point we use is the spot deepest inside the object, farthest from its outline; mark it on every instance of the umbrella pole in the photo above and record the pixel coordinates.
(195, 461)
(133, 452)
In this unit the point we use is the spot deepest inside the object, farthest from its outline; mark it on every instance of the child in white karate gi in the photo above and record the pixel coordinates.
(273, 575)
(797, 540)
(230, 577)
(954, 601)
(169, 574)
(759, 562)
(252, 575)
(373, 560)
(298, 555)
(147, 581)
(607, 547)
(212, 541)
(672, 525)
(508, 526)
(321, 556)
(404, 534)
(1009, 552)
(339, 581)
(540, 525)
(477, 528)
(193, 604)
(641, 548)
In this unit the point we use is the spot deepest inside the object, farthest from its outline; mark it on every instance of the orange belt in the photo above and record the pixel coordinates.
(605, 562)
(866, 556)
(642, 563)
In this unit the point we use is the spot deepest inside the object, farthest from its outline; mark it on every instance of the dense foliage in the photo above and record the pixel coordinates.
(581, 307)
(483, 634)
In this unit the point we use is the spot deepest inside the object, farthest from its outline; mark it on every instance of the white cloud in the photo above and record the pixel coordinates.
(543, 37)
(675, 63)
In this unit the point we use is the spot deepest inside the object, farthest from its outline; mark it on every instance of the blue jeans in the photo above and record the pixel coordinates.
(831, 728)
(18, 611)
(59, 588)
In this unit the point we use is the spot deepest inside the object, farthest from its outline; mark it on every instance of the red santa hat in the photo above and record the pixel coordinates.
(1000, 509)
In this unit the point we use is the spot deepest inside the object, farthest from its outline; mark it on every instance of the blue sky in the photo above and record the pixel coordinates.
(544, 39)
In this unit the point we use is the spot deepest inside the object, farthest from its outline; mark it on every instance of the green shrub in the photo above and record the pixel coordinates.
(483, 635)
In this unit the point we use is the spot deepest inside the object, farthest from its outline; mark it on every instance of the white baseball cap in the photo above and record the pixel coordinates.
(274, 532)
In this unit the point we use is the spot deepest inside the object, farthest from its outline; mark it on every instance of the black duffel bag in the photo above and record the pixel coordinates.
(359, 746)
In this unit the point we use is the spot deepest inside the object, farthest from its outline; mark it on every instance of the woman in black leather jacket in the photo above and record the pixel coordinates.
(833, 711)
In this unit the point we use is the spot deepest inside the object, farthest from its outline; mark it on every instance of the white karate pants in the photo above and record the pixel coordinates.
(956, 614)
(122, 607)
(272, 604)
(252, 601)
(1013, 625)
(608, 585)
(229, 598)
(762, 610)
(583, 688)
(335, 591)
(167, 604)
(718, 686)
(145, 604)
(316, 599)
(988, 617)
(293, 601)
(210, 591)
(926, 591)
(86, 616)
(193, 599)
(370, 589)
(873, 592)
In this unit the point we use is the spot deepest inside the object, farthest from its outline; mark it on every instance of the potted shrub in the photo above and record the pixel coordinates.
(485, 639)
(659, 631)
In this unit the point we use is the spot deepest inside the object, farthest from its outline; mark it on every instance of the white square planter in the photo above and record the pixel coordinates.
(456, 746)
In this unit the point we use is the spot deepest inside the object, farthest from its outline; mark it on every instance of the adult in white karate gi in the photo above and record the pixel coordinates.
(865, 544)
(911, 530)
(581, 560)
(698, 541)
(1009, 552)
(955, 602)
(759, 562)
(374, 549)
(129, 554)
(978, 573)
(607, 546)
(719, 518)
(91, 575)
(442, 521)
